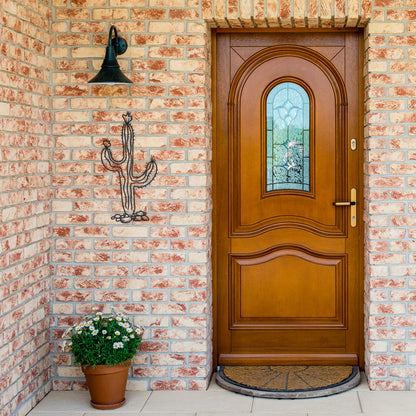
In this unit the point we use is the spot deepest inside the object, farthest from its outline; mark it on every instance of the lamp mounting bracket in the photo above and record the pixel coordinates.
(119, 44)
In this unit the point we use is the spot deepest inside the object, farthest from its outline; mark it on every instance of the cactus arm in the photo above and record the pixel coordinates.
(116, 166)
(107, 158)
(147, 176)
(142, 180)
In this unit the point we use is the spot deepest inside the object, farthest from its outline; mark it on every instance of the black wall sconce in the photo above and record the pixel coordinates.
(110, 72)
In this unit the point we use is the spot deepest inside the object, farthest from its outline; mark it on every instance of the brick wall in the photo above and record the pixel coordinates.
(156, 271)
(159, 271)
(25, 230)
(390, 195)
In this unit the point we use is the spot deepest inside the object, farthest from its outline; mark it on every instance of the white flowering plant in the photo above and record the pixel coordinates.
(103, 339)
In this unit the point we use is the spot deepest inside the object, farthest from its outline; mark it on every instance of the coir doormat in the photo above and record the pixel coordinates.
(288, 381)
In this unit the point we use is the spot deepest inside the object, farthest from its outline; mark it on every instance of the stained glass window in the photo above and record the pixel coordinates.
(288, 114)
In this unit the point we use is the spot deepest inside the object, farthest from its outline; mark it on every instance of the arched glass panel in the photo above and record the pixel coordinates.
(288, 114)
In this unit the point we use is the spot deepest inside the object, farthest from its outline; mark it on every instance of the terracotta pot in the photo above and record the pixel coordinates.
(107, 384)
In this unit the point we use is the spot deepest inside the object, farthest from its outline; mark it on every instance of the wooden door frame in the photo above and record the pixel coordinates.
(360, 148)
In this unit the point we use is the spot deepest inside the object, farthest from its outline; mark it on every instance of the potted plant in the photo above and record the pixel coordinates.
(104, 346)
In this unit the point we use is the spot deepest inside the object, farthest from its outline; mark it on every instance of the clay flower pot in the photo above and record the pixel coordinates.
(107, 384)
(104, 346)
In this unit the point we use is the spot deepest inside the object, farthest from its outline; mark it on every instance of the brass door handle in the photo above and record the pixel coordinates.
(352, 204)
(343, 204)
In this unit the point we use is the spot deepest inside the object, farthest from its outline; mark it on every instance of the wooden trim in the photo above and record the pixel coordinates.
(285, 30)
(291, 359)
(214, 199)
(360, 149)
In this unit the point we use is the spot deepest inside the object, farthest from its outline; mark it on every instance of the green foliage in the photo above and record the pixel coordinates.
(101, 339)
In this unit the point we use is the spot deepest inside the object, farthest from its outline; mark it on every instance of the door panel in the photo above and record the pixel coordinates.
(274, 299)
(288, 262)
(254, 211)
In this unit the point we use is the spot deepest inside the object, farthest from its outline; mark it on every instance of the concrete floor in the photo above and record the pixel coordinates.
(218, 402)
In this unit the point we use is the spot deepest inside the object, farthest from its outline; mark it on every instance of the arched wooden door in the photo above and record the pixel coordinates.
(288, 199)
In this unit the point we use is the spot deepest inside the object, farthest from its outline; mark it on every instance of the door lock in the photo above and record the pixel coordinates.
(352, 204)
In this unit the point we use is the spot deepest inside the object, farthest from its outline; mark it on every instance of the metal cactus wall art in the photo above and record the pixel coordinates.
(124, 168)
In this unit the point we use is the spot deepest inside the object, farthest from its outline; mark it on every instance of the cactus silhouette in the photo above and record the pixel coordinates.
(124, 168)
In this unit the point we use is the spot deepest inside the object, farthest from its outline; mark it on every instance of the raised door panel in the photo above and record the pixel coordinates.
(287, 287)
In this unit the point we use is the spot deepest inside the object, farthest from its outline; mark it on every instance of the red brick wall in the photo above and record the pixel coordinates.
(156, 271)
(159, 271)
(390, 196)
(25, 212)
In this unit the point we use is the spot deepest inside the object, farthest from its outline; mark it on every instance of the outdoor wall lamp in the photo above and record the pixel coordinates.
(110, 72)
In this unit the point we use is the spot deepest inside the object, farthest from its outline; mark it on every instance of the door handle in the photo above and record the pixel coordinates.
(352, 204)
(343, 204)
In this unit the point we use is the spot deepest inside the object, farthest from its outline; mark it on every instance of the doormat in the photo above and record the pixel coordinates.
(288, 381)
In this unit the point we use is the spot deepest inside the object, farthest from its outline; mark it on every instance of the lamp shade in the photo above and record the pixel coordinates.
(110, 72)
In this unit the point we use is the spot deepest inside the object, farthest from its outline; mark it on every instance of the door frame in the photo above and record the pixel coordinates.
(216, 177)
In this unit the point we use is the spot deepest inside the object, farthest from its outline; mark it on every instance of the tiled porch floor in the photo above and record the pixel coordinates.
(218, 402)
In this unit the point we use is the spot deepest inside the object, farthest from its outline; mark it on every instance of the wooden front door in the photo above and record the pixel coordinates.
(288, 201)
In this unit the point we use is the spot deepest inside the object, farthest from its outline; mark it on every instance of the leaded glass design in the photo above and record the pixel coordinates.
(288, 114)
